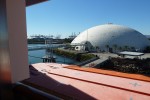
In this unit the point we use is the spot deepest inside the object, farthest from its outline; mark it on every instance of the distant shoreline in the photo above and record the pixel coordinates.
(36, 43)
(41, 43)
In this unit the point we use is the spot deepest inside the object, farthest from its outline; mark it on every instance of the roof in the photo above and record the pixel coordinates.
(112, 34)
(32, 2)
(68, 83)
(131, 53)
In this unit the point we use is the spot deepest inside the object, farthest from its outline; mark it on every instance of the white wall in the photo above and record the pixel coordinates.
(17, 39)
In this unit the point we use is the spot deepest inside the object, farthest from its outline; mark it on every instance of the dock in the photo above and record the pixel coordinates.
(48, 59)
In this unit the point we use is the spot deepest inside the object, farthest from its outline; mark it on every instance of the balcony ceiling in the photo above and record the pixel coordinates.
(32, 2)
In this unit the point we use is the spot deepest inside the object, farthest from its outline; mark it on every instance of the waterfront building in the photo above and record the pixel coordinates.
(111, 37)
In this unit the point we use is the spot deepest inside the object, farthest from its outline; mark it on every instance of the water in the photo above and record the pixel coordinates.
(36, 55)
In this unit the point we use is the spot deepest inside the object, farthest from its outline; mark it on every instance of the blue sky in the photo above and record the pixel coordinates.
(63, 17)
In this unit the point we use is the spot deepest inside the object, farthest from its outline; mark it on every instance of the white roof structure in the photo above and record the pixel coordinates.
(131, 53)
(111, 34)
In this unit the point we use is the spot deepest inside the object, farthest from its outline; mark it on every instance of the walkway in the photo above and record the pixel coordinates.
(103, 57)
(95, 63)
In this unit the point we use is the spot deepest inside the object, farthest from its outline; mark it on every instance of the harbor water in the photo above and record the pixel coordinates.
(34, 56)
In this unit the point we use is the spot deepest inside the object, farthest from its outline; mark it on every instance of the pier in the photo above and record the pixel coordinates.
(48, 59)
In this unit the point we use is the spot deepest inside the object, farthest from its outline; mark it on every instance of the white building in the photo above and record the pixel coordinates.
(111, 36)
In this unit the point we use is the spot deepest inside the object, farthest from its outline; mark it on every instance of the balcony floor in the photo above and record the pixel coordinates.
(73, 82)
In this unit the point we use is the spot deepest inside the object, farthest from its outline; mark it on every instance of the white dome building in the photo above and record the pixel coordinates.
(112, 37)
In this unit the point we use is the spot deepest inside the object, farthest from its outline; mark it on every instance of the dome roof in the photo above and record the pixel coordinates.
(110, 34)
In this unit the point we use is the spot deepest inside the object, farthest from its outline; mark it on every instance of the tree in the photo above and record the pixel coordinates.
(126, 47)
(67, 40)
(97, 48)
(147, 49)
(107, 47)
(115, 47)
(120, 48)
(133, 48)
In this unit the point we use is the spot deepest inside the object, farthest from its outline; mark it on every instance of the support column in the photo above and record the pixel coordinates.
(13, 41)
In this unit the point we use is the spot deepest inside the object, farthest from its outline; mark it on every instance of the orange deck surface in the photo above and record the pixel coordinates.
(112, 73)
(86, 84)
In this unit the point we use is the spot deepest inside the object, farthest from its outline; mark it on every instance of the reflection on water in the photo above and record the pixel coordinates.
(38, 54)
